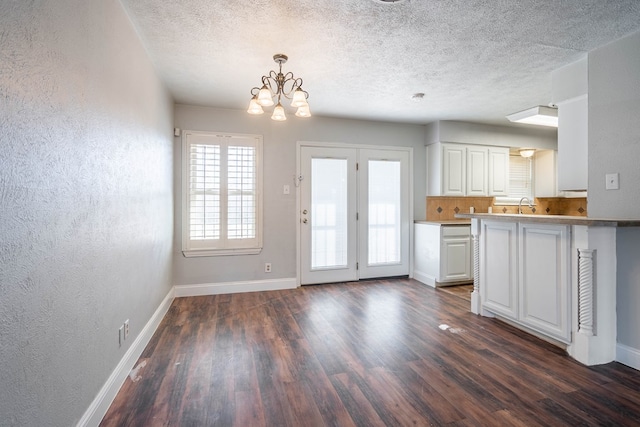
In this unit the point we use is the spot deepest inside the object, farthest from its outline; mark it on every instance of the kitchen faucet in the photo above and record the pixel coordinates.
(520, 204)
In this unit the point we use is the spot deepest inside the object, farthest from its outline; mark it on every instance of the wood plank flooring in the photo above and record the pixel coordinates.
(462, 291)
(373, 353)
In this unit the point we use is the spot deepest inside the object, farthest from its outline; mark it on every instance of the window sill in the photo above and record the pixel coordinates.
(505, 201)
(194, 253)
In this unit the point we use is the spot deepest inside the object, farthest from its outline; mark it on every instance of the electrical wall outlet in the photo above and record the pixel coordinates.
(612, 181)
(126, 328)
(267, 267)
(120, 335)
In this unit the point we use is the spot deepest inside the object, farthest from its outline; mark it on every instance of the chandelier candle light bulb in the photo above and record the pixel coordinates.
(254, 107)
(265, 97)
(278, 113)
(299, 98)
(303, 111)
(278, 85)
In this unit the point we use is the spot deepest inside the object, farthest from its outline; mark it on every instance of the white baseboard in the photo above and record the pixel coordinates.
(628, 356)
(98, 408)
(234, 287)
(424, 278)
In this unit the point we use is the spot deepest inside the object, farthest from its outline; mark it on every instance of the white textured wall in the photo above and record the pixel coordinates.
(279, 169)
(614, 146)
(614, 130)
(85, 202)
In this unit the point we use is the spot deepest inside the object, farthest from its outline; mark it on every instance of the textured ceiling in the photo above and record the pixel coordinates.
(474, 60)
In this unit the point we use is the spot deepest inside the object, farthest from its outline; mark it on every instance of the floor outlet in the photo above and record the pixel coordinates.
(126, 329)
(267, 267)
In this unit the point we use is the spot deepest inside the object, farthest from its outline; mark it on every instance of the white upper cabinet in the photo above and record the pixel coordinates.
(454, 170)
(477, 170)
(570, 92)
(545, 174)
(467, 170)
(498, 171)
(572, 144)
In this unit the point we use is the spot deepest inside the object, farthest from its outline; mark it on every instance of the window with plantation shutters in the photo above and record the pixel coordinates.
(520, 180)
(520, 184)
(222, 197)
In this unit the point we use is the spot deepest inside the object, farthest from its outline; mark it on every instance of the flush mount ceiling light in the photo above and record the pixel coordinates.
(278, 85)
(540, 115)
(527, 152)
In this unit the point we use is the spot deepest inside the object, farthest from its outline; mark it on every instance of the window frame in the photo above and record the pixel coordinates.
(222, 246)
(511, 200)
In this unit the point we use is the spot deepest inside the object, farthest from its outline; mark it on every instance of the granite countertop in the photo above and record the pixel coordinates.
(446, 222)
(554, 219)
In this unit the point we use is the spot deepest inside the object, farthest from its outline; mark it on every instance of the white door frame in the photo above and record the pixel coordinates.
(297, 179)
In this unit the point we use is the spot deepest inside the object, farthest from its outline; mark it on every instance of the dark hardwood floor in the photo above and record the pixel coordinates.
(377, 353)
(462, 291)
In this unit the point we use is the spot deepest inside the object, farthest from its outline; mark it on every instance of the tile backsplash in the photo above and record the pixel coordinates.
(445, 208)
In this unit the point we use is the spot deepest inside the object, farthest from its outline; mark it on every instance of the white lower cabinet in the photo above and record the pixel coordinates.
(526, 278)
(443, 254)
(544, 279)
(455, 261)
(500, 278)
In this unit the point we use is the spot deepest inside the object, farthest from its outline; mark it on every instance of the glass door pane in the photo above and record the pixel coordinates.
(384, 225)
(328, 225)
(329, 213)
(384, 205)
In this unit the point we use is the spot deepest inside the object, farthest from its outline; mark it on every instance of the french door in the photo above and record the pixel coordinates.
(354, 213)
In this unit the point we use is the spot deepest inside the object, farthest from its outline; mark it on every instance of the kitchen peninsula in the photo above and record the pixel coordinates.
(552, 275)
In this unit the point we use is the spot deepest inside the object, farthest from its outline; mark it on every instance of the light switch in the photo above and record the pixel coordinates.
(286, 189)
(612, 181)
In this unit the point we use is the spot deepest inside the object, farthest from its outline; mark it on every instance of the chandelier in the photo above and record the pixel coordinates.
(278, 85)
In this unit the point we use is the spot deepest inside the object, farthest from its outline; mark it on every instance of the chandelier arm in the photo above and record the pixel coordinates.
(296, 83)
(270, 82)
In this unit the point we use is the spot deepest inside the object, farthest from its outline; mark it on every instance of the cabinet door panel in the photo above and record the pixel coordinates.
(498, 271)
(498, 171)
(456, 259)
(544, 279)
(454, 164)
(477, 171)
